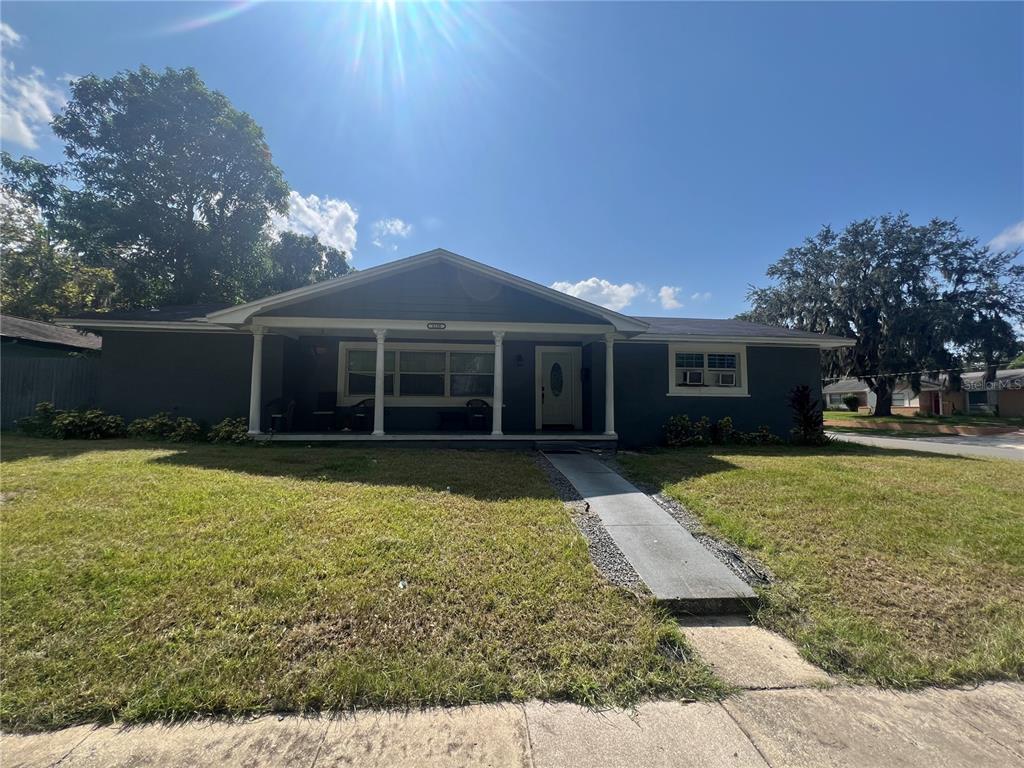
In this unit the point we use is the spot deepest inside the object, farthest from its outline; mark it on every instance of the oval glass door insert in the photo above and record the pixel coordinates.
(556, 379)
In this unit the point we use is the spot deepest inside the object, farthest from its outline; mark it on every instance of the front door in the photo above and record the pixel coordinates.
(559, 371)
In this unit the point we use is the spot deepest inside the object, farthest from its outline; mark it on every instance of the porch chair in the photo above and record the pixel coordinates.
(281, 414)
(323, 416)
(478, 414)
(362, 416)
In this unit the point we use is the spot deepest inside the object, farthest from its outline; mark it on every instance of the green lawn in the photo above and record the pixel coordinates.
(896, 568)
(143, 581)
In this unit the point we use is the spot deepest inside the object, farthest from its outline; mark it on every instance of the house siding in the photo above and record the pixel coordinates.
(437, 292)
(204, 376)
(643, 405)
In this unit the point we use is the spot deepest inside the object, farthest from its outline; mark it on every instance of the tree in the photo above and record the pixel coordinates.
(1017, 362)
(915, 298)
(295, 260)
(40, 279)
(171, 187)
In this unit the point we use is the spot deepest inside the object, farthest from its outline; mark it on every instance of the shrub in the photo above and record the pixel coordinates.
(680, 431)
(87, 425)
(230, 431)
(808, 428)
(156, 427)
(852, 402)
(723, 431)
(40, 423)
(762, 436)
(162, 426)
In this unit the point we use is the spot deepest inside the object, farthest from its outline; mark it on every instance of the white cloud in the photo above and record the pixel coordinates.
(705, 296)
(7, 34)
(600, 291)
(27, 102)
(387, 230)
(1011, 237)
(668, 295)
(331, 221)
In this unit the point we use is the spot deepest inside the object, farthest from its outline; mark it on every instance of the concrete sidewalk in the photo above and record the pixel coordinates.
(1008, 446)
(855, 727)
(673, 564)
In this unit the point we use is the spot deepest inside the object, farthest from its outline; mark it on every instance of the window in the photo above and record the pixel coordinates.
(706, 370)
(362, 372)
(417, 374)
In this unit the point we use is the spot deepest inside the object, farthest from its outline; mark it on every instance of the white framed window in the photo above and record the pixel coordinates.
(417, 374)
(707, 369)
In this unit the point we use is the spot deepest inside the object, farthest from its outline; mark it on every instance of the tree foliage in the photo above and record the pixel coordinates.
(40, 279)
(915, 298)
(170, 188)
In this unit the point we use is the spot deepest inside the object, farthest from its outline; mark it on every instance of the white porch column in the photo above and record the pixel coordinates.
(499, 384)
(609, 384)
(256, 384)
(378, 381)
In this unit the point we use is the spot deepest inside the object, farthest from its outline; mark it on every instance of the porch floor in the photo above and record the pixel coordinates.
(592, 439)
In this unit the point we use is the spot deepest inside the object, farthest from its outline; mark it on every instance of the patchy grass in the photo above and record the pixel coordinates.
(897, 568)
(143, 581)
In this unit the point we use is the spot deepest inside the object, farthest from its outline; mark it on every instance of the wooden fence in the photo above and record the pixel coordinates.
(67, 382)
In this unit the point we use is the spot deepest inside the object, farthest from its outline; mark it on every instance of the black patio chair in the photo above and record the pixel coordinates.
(323, 416)
(362, 416)
(281, 414)
(478, 414)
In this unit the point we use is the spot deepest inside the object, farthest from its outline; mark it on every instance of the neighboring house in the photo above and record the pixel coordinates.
(904, 399)
(20, 337)
(1003, 395)
(41, 361)
(429, 345)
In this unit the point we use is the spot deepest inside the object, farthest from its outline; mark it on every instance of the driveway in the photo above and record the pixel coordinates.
(1008, 446)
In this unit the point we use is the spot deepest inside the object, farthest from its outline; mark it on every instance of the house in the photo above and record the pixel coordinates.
(905, 400)
(1002, 394)
(42, 361)
(21, 337)
(438, 345)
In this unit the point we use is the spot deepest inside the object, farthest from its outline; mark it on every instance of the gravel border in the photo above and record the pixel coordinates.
(604, 553)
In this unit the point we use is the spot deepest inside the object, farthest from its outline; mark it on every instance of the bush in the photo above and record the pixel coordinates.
(723, 431)
(808, 427)
(852, 403)
(680, 431)
(40, 423)
(87, 425)
(762, 436)
(230, 431)
(93, 424)
(162, 426)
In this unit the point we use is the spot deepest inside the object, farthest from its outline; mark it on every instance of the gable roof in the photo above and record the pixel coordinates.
(241, 313)
(46, 333)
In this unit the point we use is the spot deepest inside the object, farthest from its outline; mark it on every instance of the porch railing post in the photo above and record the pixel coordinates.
(499, 384)
(256, 384)
(609, 385)
(378, 389)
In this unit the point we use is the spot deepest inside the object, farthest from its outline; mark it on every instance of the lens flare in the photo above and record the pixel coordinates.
(228, 11)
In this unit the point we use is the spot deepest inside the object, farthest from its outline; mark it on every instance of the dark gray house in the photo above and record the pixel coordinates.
(438, 345)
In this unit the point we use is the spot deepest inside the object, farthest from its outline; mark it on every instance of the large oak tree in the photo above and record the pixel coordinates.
(915, 299)
(170, 187)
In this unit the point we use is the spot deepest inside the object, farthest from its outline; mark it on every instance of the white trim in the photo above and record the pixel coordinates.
(704, 349)
(242, 313)
(831, 342)
(199, 326)
(450, 326)
(442, 437)
(577, 384)
(397, 400)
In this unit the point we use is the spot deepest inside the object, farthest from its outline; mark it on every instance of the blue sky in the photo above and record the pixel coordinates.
(654, 157)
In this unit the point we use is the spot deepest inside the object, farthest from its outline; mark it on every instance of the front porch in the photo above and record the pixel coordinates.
(333, 380)
(526, 441)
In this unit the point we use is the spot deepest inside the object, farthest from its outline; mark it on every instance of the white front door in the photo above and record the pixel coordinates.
(558, 376)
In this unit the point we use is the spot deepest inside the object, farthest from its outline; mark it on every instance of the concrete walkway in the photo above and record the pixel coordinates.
(848, 727)
(674, 566)
(1008, 446)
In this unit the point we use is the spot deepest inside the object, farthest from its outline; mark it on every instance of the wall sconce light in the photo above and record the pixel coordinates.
(520, 362)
